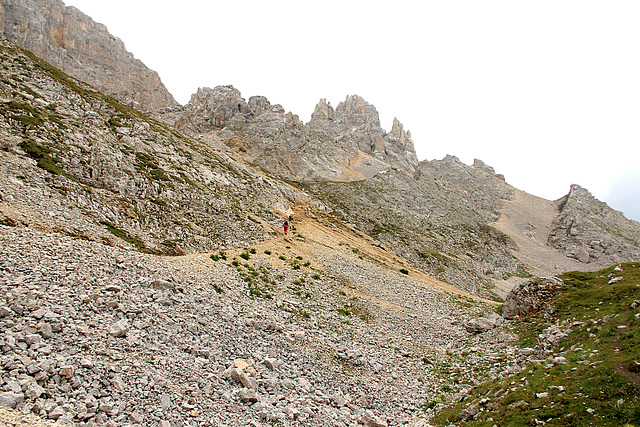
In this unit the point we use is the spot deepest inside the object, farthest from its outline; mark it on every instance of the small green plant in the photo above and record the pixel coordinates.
(252, 250)
(404, 271)
(214, 257)
(223, 255)
(316, 276)
(267, 252)
(344, 311)
(245, 255)
(282, 257)
(217, 288)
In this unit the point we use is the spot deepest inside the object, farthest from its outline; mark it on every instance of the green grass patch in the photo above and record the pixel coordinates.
(344, 311)
(598, 385)
(139, 244)
(42, 156)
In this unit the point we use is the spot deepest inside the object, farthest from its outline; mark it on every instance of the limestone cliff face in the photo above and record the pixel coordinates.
(588, 230)
(73, 42)
(341, 144)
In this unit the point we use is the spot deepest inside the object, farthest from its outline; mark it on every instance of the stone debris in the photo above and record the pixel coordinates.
(81, 354)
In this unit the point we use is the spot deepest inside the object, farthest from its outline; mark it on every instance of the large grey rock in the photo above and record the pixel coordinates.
(483, 324)
(10, 399)
(119, 328)
(371, 420)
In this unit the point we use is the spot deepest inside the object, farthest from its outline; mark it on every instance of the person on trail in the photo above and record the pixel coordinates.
(286, 227)
(293, 227)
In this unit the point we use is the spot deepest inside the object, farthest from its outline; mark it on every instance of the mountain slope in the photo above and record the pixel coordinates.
(319, 327)
(323, 326)
(111, 166)
(441, 215)
(449, 208)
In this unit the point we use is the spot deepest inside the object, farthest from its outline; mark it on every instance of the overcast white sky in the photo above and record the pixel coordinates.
(547, 91)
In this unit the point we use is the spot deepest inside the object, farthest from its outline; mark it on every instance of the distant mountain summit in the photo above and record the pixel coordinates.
(341, 144)
(70, 40)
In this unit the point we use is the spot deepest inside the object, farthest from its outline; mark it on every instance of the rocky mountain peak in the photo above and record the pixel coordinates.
(83, 48)
(400, 144)
(356, 111)
(212, 98)
(323, 111)
(397, 130)
(343, 144)
(577, 196)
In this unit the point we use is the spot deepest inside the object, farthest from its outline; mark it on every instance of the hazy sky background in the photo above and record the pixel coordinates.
(546, 92)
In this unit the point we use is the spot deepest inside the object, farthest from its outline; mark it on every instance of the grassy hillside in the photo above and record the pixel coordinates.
(589, 378)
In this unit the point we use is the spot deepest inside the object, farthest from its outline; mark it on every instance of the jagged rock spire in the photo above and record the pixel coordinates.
(323, 111)
(356, 111)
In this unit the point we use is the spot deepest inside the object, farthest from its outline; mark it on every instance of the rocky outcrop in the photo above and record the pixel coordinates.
(530, 297)
(479, 164)
(341, 144)
(73, 42)
(588, 230)
(476, 190)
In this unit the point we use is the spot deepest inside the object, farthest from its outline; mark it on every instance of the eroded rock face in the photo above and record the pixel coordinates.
(70, 40)
(341, 144)
(589, 230)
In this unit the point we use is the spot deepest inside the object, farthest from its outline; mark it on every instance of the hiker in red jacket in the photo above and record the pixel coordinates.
(286, 227)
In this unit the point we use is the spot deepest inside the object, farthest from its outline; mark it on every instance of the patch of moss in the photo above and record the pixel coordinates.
(43, 158)
(126, 237)
(29, 122)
